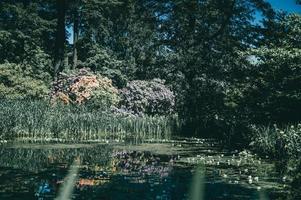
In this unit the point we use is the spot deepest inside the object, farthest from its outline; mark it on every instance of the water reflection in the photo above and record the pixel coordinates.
(108, 171)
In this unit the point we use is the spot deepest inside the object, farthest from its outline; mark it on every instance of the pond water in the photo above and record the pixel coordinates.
(166, 169)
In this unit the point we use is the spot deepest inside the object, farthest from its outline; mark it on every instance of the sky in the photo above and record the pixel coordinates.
(286, 5)
(289, 6)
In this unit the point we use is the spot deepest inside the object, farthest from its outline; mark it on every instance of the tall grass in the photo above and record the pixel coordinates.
(278, 142)
(283, 144)
(40, 120)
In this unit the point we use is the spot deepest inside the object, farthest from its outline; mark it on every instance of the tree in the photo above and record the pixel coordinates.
(269, 88)
(76, 24)
(206, 37)
(60, 37)
(23, 27)
(26, 35)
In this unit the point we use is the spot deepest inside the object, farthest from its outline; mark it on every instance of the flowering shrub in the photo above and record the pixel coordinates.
(83, 86)
(147, 97)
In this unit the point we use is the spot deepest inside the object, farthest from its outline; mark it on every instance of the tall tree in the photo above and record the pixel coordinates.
(60, 37)
(206, 37)
(75, 36)
(74, 13)
(271, 92)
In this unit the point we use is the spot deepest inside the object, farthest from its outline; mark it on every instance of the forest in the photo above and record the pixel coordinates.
(160, 72)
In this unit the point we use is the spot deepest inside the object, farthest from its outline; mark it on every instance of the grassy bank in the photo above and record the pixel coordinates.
(40, 120)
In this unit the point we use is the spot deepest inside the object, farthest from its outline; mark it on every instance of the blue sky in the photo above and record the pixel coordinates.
(286, 5)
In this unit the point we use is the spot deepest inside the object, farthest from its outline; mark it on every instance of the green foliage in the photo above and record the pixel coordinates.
(284, 146)
(25, 67)
(296, 183)
(270, 90)
(17, 84)
(207, 36)
(100, 61)
(127, 28)
(278, 142)
(41, 120)
(24, 27)
(284, 30)
(37, 64)
(264, 86)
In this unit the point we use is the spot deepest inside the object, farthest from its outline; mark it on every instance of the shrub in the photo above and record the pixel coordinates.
(37, 64)
(284, 145)
(296, 183)
(84, 87)
(276, 142)
(147, 97)
(15, 83)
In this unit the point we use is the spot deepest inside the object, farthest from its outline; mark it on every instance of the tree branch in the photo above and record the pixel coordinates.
(228, 14)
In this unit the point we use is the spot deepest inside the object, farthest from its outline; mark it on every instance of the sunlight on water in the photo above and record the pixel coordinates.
(198, 184)
(67, 188)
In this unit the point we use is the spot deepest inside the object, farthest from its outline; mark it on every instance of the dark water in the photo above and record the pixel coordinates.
(145, 171)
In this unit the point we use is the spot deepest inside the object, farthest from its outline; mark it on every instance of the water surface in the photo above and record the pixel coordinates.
(151, 170)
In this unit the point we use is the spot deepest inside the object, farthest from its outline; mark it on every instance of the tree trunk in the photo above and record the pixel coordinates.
(60, 37)
(75, 37)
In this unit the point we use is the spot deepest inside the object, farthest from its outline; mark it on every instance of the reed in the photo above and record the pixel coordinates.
(278, 142)
(38, 120)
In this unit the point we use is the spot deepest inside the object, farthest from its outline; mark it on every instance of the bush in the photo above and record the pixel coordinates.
(84, 87)
(283, 145)
(276, 142)
(15, 83)
(296, 183)
(147, 97)
(38, 64)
